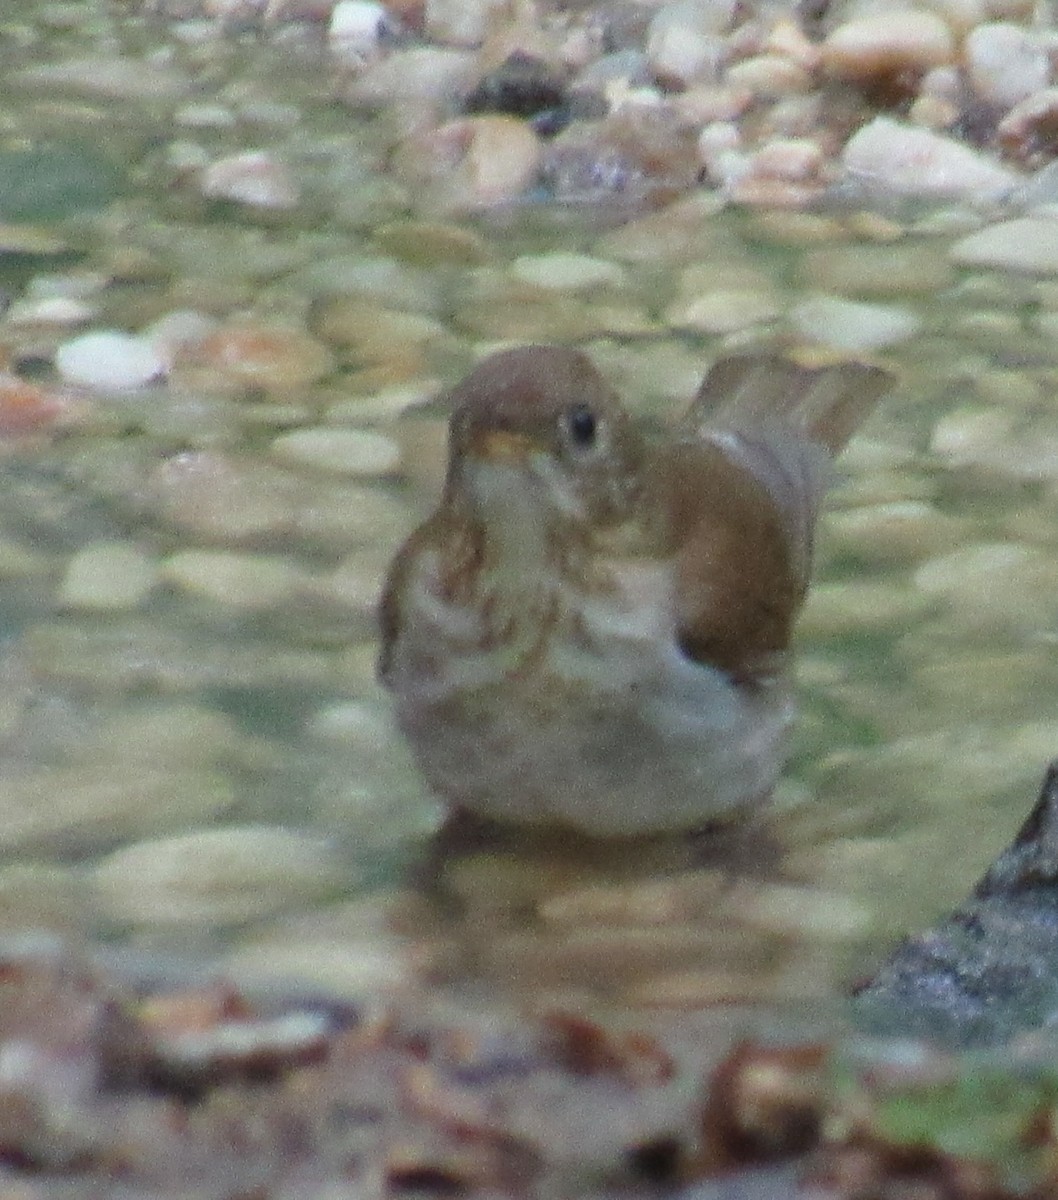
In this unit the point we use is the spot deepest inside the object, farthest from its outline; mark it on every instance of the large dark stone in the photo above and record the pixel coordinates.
(990, 970)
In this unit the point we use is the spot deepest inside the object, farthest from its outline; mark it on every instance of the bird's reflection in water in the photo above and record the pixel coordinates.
(545, 917)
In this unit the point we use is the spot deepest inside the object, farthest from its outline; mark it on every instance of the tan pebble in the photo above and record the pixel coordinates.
(887, 43)
(219, 496)
(990, 326)
(900, 532)
(788, 39)
(44, 897)
(565, 271)
(841, 609)
(877, 271)
(240, 580)
(358, 579)
(259, 356)
(77, 807)
(800, 911)
(471, 163)
(434, 75)
(359, 969)
(724, 311)
(664, 901)
(696, 990)
(106, 576)
(372, 333)
(217, 875)
(355, 452)
(769, 76)
(432, 244)
(972, 436)
(996, 584)
(795, 228)
(673, 235)
(875, 227)
(30, 239)
(381, 405)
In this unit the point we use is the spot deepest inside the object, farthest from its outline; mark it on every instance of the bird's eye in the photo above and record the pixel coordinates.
(582, 427)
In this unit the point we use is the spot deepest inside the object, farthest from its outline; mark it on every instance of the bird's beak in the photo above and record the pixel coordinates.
(502, 446)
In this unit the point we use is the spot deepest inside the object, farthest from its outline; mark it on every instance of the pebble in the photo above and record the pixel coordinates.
(346, 967)
(178, 330)
(563, 271)
(217, 496)
(433, 243)
(457, 22)
(254, 178)
(438, 75)
(217, 876)
(260, 356)
(122, 78)
(878, 271)
(82, 806)
(109, 360)
(724, 310)
(355, 29)
(1006, 63)
(354, 452)
(890, 157)
(106, 576)
(246, 581)
(880, 46)
(854, 608)
(51, 310)
(26, 408)
(1027, 244)
(681, 49)
(995, 585)
(471, 163)
(850, 325)
(899, 532)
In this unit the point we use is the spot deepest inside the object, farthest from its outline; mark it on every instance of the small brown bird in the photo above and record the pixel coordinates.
(593, 628)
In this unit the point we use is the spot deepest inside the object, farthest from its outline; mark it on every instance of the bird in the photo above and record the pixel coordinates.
(592, 630)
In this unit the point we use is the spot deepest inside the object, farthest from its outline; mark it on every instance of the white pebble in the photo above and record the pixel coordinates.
(109, 359)
(355, 29)
(50, 310)
(227, 875)
(176, 330)
(1027, 244)
(1006, 63)
(341, 451)
(254, 178)
(107, 575)
(851, 326)
(894, 158)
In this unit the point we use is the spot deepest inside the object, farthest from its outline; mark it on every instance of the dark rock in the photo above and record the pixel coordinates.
(522, 86)
(990, 970)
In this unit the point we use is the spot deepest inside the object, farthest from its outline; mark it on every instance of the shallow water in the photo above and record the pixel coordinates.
(221, 691)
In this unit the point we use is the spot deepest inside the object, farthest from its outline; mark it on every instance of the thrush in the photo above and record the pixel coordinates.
(593, 628)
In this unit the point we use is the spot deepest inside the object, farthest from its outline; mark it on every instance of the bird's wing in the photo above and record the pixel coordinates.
(749, 476)
(784, 423)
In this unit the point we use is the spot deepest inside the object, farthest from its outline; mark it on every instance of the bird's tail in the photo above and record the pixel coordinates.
(746, 394)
